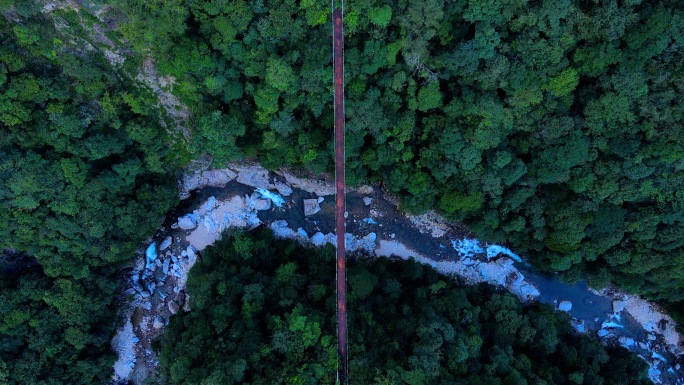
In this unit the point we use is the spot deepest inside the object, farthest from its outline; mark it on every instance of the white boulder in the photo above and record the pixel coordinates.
(311, 207)
(262, 204)
(218, 178)
(165, 243)
(173, 307)
(283, 189)
(187, 222)
(565, 306)
(158, 322)
(318, 239)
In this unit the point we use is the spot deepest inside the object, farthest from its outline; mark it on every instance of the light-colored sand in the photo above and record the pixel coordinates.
(390, 248)
(123, 344)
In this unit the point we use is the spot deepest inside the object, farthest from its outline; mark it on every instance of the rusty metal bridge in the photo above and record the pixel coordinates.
(340, 207)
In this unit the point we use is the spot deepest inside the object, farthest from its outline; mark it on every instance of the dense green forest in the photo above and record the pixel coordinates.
(263, 312)
(86, 173)
(552, 125)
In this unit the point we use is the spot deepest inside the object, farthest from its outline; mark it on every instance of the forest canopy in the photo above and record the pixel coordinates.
(263, 312)
(552, 125)
(86, 173)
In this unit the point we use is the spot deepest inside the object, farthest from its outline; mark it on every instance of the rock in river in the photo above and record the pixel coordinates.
(173, 307)
(565, 306)
(187, 222)
(165, 243)
(158, 322)
(318, 239)
(311, 207)
(262, 204)
(283, 189)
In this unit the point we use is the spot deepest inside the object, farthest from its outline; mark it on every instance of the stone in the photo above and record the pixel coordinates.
(190, 182)
(165, 267)
(187, 222)
(255, 176)
(320, 199)
(158, 322)
(626, 341)
(367, 201)
(565, 306)
(279, 223)
(318, 239)
(311, 207)
(619, 306)
(302, 233)
(173, 307)
(209, 205)
(505, 263)
(579, 325)
(218, 178)
(191, 252)
(318, 187)
(165, 243)
(145, 294)
(651, 337)
(262, 204)
(365, 190)
(283, 189)
(371, 237)
(231, 174)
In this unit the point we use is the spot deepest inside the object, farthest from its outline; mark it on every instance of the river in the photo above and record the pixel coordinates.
(375, 226)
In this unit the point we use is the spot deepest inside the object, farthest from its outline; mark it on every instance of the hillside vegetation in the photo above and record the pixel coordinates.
(85, 175)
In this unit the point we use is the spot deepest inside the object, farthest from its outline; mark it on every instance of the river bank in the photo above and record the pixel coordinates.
(246, 195)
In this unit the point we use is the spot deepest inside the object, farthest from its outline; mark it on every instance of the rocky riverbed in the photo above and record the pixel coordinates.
(246, 195)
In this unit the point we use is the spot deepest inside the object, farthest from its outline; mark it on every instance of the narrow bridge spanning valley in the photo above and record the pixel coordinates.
(340, 228)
